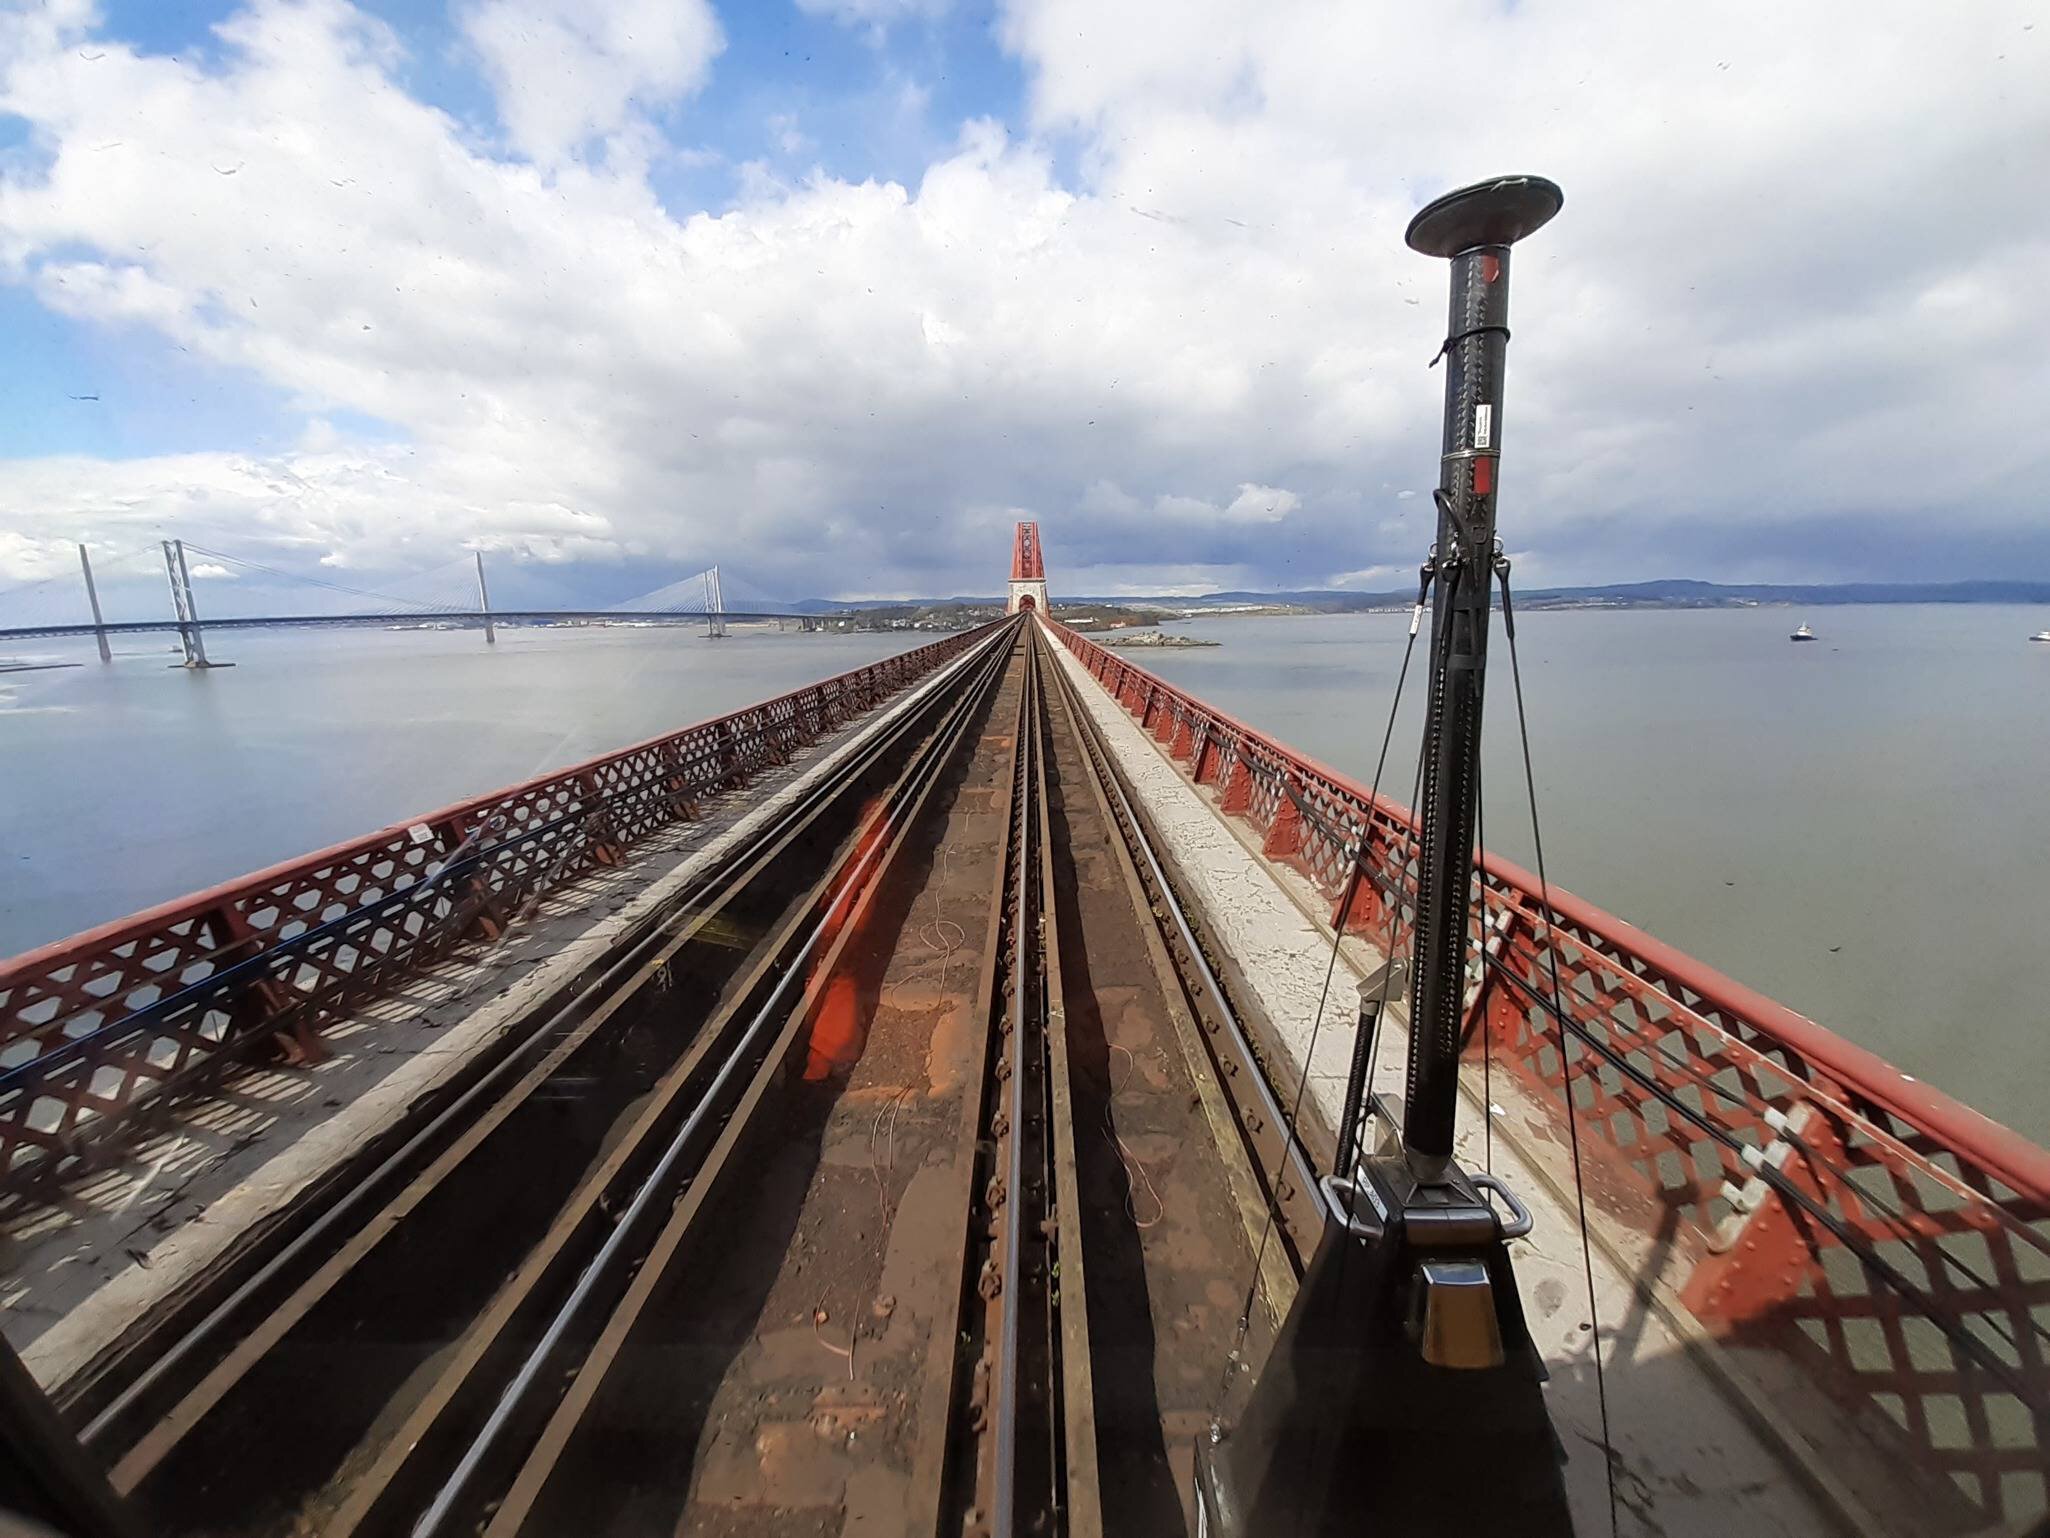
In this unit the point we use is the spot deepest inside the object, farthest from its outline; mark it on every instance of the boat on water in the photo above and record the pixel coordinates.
(2041, 635)
(1802, 633)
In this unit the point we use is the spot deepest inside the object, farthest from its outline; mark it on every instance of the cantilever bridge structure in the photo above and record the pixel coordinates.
(1824, 1285)
(1028, 571)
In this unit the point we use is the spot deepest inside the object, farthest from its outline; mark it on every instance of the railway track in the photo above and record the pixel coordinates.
(922, 1199)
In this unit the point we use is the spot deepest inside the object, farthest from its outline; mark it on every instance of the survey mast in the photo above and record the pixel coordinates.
(1402, 1392)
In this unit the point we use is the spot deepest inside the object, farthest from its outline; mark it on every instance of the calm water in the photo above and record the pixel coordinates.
(1859, 827)
(127, 785)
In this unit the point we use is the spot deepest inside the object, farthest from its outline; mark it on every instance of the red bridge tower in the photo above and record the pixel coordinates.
(1028, 571)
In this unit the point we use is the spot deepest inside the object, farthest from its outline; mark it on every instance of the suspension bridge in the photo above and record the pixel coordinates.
(155, 589)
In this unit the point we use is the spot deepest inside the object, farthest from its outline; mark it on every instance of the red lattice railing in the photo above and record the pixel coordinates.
(112, 1022)
(1799, 1195)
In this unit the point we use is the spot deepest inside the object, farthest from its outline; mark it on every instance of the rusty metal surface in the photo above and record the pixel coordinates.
(111, 1023)
(1850, 1232)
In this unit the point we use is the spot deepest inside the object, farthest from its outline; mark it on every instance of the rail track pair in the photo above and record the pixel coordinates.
(495, 1318)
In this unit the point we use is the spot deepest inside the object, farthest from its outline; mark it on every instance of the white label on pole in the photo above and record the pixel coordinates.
(1483, 425)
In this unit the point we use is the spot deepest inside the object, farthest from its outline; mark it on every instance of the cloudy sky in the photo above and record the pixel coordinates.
(829, 291)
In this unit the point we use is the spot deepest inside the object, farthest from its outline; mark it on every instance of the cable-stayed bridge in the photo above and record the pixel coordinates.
(153, 589)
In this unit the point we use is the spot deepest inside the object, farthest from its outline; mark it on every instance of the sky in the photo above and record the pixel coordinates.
(830, 292)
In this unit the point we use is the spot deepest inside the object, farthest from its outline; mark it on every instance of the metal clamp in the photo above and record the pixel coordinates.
(1520, 1221)
(1340, 1194)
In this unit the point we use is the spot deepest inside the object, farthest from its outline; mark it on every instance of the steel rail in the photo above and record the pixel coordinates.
(590, 810)
(567, 1019)
(499, 1319)
(854, 889)
(1030, 1407)
(230, 979)
(980, 1466)
(1023, 962)
(1076, 1471)
(541, 1462)
(943, 1488)
(1003, 1511)
(1285, 1163)
(1249, 1178)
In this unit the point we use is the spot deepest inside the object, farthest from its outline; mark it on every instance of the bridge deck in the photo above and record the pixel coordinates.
(1821, 1288)
(128, 1238)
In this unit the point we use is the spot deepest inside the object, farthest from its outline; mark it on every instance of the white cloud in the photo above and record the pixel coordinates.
(1262, 504)
(1794, 290)
(875, 15)
(788, 136)
(566, 71)
(1371, 578)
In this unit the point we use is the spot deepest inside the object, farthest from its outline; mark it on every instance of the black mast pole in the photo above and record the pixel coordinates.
(1475, 227)
(1403, 1392)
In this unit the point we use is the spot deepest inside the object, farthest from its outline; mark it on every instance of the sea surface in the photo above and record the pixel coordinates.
(1858, 827)
(127, 785)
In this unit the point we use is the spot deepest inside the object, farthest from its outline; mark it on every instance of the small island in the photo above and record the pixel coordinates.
(1156, 638)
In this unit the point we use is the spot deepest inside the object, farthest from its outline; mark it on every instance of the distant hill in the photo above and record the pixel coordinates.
(1675, 593)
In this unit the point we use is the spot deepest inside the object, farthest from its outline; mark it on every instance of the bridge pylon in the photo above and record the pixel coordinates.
(484, 601)
(191, 635)
(715, 606)
(92, 598)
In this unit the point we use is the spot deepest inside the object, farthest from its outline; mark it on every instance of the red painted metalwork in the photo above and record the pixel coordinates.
(99, 1027)
(1027, 565)
(1920, 1309)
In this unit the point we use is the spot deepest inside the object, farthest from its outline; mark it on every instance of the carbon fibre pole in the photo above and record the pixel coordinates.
(1403, 1393)
(1474, 227)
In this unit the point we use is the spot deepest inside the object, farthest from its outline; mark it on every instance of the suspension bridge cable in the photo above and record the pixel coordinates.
(683, 596)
